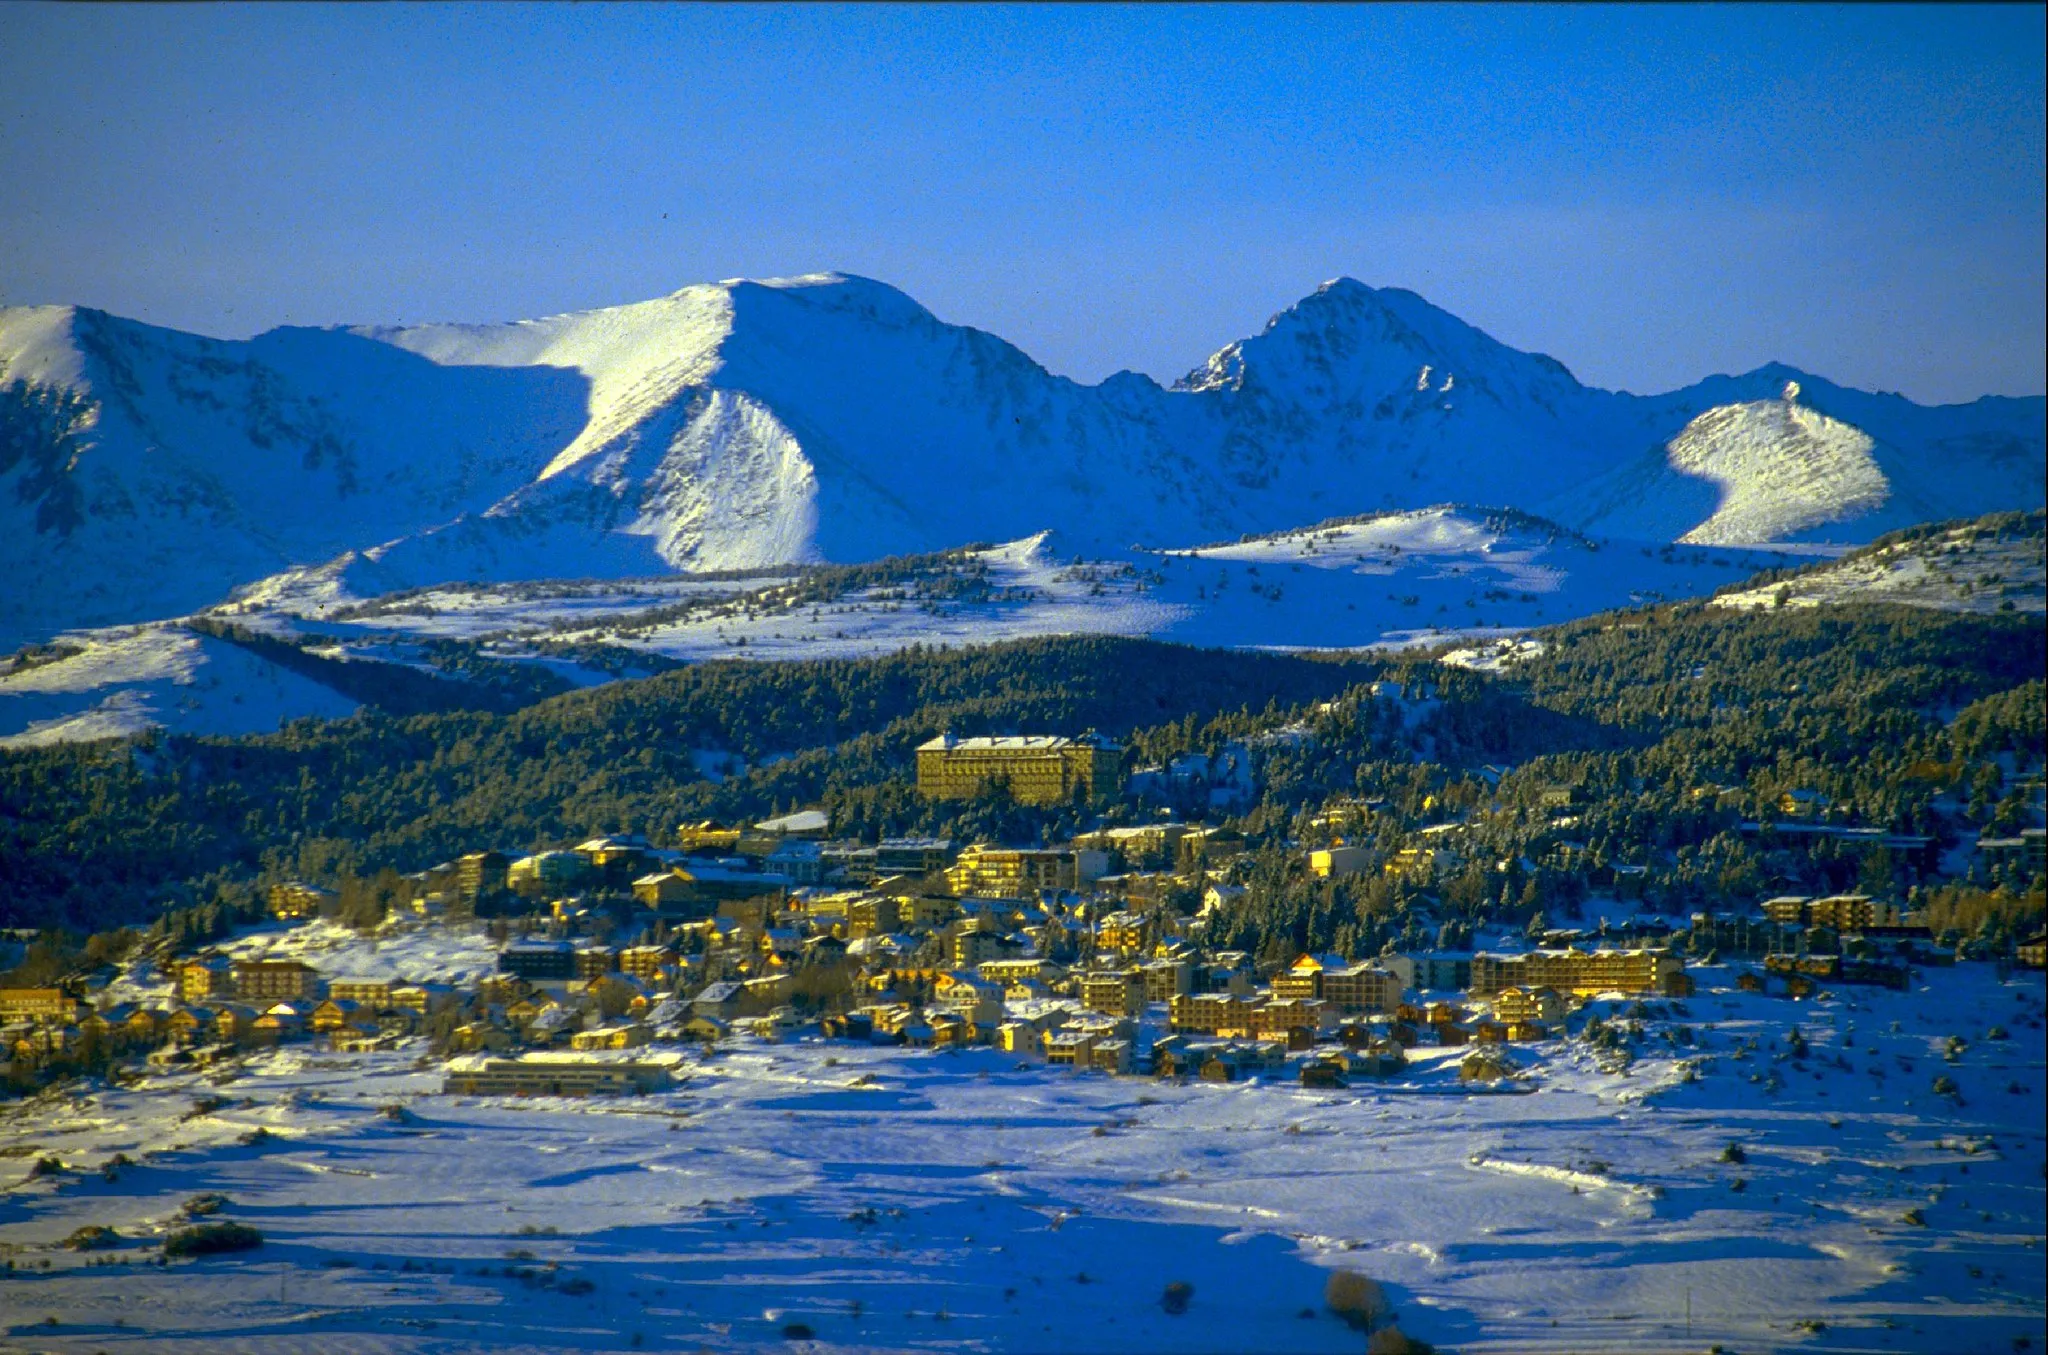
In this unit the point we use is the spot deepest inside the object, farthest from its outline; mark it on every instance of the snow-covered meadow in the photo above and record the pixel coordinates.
(884, 1199)
(1390, 580)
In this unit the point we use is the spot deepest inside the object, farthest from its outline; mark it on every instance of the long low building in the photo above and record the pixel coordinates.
(555, 1075)
(1583, 973)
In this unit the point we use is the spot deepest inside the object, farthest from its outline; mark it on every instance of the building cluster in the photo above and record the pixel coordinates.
(1091, 953)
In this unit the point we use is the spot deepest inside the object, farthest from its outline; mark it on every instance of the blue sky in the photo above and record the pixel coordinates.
(1647, 194)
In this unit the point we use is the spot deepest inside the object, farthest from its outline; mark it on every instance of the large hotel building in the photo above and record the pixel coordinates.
(1040, 769)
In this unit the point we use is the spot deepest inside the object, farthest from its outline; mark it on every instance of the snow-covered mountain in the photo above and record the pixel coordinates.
(147, 473)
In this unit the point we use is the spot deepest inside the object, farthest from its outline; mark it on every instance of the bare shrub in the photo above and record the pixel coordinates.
(1357, 1299)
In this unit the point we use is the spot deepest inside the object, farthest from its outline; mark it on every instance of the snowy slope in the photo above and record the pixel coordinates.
(829, 417)
(125, 680)
(1973, 567)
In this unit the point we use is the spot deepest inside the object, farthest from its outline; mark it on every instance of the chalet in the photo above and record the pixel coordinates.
(661, 890)
(722, 1000)
(373, 994)
(1069, 1048)
(1322, 1073)
(976, 997)
(2033, 952)
(422, 998)
(629, 1035)
(206, 976)
(280, 1021)
(765, 994)
(146, 1023)
(338, 1013)
(234, 1023)
(190, 1025)
(702, 1026)
(1112, 1057)
(1528, 1004)
(296, 901)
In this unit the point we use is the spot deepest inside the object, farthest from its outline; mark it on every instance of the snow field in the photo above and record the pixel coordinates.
(1583, 1215)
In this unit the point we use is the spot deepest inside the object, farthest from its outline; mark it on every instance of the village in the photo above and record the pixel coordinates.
(579, 965)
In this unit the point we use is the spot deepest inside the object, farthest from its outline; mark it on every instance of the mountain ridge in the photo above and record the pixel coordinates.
(833, 417)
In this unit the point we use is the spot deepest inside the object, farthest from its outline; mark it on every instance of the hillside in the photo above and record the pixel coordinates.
(149, 473)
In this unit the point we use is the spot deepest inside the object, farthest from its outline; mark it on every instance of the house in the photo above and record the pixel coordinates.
(1802, 803)
(1281, 1018)
(190, 1025)
(234, 1023)
(766, 993)
(1581, 973)
(1069, 1048)
(661, 890)
(722, 1000)
(803, 862)
(479, 1035)
(1334, 862)
(295, 900)
(1224, 1014)
(280, 1021)
(1528, 1004)
(371, 994)
(1112, 1057)
(614, 861)
(337, 1013)
(629, 1035)
(701, 1026)
(2033, 952)
(206, 976)
(976, 998)
(422, 998)
(977, 946)
(547, 875)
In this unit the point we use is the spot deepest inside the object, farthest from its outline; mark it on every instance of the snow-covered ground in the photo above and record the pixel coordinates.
(903, 1200)
(131, 678)
(1952, 572)
(1391, 580)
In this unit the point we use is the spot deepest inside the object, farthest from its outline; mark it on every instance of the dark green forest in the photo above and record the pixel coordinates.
(1670, 724)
